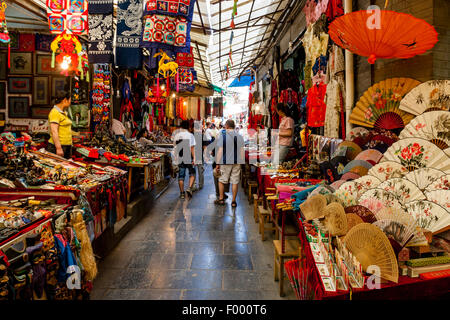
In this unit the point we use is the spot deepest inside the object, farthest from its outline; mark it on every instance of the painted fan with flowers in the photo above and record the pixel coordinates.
(403, 189)
(429, 215)
(379, 105)
(372, 156)
(433, 126)
(367, 182)
(416, 153)
(350, 176)
(373, 205)
(348, 193)
(428, 96)
(441, 183)
(388, 169)
(386, 197)
(441, 197)
(364, 213)
(358, 132)
(335, 185)
(424, 177)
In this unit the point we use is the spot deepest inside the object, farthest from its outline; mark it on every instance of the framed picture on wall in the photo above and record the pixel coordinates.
(58, 85)
(40, 91)
(44, 64)
(18, 107)
(3, 65)
(21, 63)
(2, 119)
(40, 112)
(19, 85)
(2, 95)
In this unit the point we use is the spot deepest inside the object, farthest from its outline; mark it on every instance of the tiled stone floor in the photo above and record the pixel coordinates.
(191, 249)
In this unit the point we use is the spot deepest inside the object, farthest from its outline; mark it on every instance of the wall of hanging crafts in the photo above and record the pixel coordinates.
(101, 95)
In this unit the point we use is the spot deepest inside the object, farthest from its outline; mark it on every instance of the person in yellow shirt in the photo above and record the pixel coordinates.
(60, 141)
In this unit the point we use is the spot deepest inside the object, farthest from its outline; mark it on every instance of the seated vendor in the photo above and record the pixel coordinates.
(60, 141)
(118, 130)
(142, 138)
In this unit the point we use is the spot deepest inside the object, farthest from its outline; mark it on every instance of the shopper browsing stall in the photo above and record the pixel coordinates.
(285, 134)
(184, 143)
(118, 130)
(60, 141)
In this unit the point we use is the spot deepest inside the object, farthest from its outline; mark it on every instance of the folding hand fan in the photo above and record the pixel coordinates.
(371, 247)
(373, 205)
(367, 182)
(339, 163)
(320, 190)
(396, 231)
(380, 133)
(379, 105)
(429, 215)
(404, 190)
(372, 156)
(350, 176)
(388, 199)
(401, 217)
(335, 185)
(430, 95)
(355, 163)
(433, 126)
(313, 207)
(416, 153)
(357, 132)
(361, 141)
(353, 220)
(424, 177)
(352, 149)
(441, 197)
(364, 213)
(335, 220)
(388, 169)
(359, 170)
(348, 193)
(442, 183)
(377, 145)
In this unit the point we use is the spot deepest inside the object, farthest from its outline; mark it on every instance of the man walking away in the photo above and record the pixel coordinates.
(198, 134)
(230, 156)
(184, 143)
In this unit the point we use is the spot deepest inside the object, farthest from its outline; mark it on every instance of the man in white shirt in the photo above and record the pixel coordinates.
(208, 133)
(184, 143)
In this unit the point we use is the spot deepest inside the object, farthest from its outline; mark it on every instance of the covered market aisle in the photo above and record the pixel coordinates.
(191, 250)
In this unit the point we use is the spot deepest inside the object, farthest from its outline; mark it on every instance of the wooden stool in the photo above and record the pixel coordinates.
(257, 201)
(265, 217)
(251, 184)
(291, 251)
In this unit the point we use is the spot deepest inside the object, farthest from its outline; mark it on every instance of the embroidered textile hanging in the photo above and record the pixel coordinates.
(129, 32)
(184, 8)
(43, 42)
(100, 38)
(70, 16)
(26, 42)
(101, 94)
(167, 33)
(185, 59)
(101, 6)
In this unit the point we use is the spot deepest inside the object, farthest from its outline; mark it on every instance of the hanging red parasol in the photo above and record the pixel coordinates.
(383, 34)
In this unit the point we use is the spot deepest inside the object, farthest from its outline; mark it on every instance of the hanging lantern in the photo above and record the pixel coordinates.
(66, 51)
(4, 35)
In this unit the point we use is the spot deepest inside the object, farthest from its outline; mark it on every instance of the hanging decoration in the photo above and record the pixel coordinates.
(166, 69)
(43, 42)
(101, 38)
(101, 6)
(375, 34)
(128, 34)
(101, 94)
(69, 16)
(183, 8)
(4, 35)
(67, 49)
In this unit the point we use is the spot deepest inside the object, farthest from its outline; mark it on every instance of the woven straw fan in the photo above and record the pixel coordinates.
(364, 213)
(424, 177)
(441, 183)
(313, 207)
(403, 189)
(371, 247)
(429, 215)
(416, 153)
(335, 219)
(433, 126)
(387, 169)
(352, 220)
(380, 105)
(430, 95)
(405, 230)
